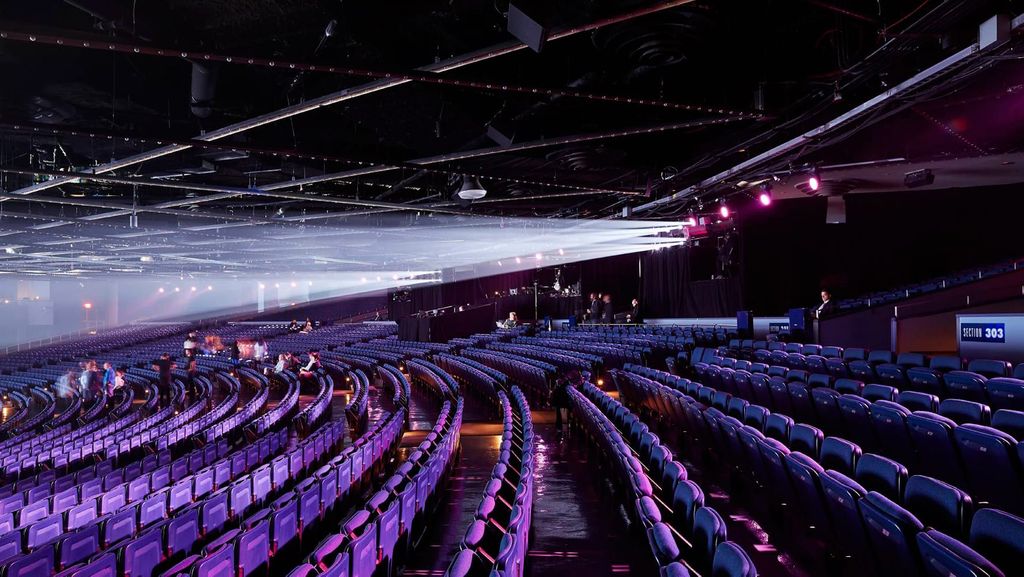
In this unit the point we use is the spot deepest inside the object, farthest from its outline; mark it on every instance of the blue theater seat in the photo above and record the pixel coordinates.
(1010, 422)
(892, 534)
(939, 505)
(708, 531)
(889, 421)
(875, 392)
(849, 386)
(937, 453)
(1005, 393)
(944, 363)
(999, 536)
(944, 556)
(686, 500)
(732, 561)
(918, 401)
(880, 474)
(839, 455)
(966, 385)
(989, 368)
(842, 496)
(961, 411)
(806, 439)
(991, 462)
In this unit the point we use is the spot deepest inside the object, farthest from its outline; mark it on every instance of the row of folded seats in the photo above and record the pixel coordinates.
(151, 519)
(835, 497)
(686, 538)
(376, 535)
(821, 400)
(265, 535)
(497, 539)
(952, 445)
(982, 380)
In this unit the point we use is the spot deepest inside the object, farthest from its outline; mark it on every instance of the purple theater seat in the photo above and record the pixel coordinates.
(217, 563)
(104, 565)
(81, 515)
(253, 550)
(284, 525)
(153, 509)
(10, 545)
(939, 505)
(78, 546)
(139, 488)
(44, 531)
(181, 533)
(141, 554)
(35, 564)
(214, 512)
(119, 526)
(262, 484)
(936, 447)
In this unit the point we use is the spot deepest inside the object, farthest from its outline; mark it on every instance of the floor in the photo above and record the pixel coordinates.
(579, 525)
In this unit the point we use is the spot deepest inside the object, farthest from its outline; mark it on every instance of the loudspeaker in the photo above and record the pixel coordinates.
(801, 324)
(745, 324)
(528, 20)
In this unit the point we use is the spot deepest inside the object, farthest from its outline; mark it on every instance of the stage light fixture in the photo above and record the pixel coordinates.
(160, 290)
(814, 180)
(765, 198)
(471, 188)
(724, 211)
(193, 289)
(87, 306)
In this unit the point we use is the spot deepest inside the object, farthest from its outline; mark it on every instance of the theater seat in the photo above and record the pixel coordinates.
(842, 495)
(686, 499)
(674, 570)
(839, 455)
(937, 453)
(925, 380)
(708, 531)
(1011, 422)
(989, 368)
(991, 463)
(875, 392)
(944, 556)
(944, 363)
(732, 561)
(1005, 393)
(892, 534)
(999, 536)
(918, 401)
(961, 411)
(882, 475)
(966, 385)
(806, 439)
(939, 505)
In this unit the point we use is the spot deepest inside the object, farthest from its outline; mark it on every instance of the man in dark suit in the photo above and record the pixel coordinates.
(636, 316)
(827, 307)
(595, 307)
(607, 310)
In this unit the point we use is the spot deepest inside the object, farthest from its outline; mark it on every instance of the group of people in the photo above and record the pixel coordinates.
(92, 380)
(295, 327)
(602, 311)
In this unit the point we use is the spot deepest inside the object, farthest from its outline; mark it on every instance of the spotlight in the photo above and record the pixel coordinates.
(499, 263)
(160, 290)
(561, 252)
(177, 289)
(86, 306)
(765, 198)
(209, 287)
(539, 256)
(363, 279)
(689, 221)
(814, 182)
(724, 211)
(471, 188)
(293, 284)
(519, 260)
(193, 289)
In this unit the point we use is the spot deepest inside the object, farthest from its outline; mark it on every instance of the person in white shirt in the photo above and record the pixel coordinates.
(282, 363)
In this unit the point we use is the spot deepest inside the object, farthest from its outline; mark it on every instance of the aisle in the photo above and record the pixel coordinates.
(445, 529)
(579, 525)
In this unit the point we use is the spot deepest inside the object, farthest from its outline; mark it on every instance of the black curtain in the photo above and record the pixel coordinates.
(676, 283)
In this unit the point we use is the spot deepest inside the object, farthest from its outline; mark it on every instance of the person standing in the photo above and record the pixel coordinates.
(190, 345)
(163, 366)
(108, 378)
(636, 316)
(595, 307)
(560, 401)
(607, 310)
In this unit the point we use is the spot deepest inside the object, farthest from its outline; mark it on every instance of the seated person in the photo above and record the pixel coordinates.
(293, 327)
(511, 322)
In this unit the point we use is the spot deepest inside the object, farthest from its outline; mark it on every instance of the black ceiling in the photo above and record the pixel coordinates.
(711, 83)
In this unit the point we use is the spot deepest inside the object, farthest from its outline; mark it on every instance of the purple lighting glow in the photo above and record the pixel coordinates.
(724, 211)
(765, 199)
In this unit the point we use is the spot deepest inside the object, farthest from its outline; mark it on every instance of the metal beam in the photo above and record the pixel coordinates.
(354, 92)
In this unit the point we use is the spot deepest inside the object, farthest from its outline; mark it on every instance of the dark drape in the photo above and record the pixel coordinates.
(676, 283)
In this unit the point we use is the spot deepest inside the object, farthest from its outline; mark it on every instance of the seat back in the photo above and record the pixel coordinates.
(882, 475)
(939, 505)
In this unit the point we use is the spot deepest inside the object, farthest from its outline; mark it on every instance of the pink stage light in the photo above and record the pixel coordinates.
(724, 211)
(765, 199)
